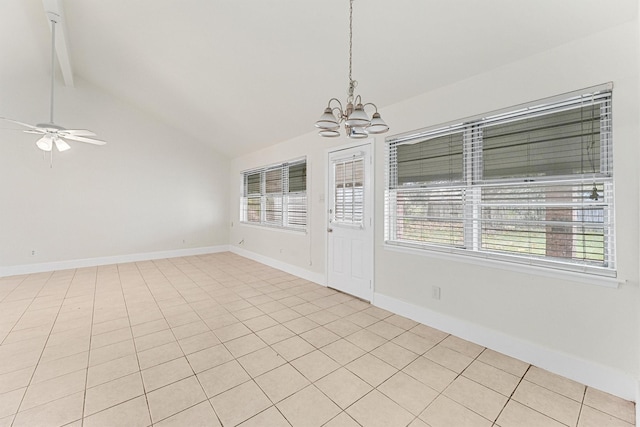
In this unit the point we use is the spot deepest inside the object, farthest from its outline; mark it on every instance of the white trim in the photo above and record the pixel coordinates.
(637, 400)
(570, 366)
(274, 165)
(273, 227)
(359, 143)
(117, 259)
(574, 276)
(311, 276)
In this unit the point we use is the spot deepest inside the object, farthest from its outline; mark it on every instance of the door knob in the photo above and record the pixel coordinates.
(329, 230)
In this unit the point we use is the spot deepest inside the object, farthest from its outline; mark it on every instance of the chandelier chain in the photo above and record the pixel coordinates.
(352, 83)
(356, 121)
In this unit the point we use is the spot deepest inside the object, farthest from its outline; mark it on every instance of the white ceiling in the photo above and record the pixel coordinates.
(245, 74)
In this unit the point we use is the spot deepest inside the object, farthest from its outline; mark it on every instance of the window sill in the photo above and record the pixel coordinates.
(487, 261)
(273, 228)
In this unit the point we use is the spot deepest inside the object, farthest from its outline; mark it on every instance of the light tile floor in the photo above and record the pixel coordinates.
(221, 340)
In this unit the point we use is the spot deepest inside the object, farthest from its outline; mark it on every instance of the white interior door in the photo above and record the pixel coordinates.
(350, 227)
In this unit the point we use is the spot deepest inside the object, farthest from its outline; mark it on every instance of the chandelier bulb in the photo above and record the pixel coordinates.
(327, 120)
(329, 133)
(358, 117)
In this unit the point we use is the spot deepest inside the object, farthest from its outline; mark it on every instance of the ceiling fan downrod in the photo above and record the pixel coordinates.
(54, 20)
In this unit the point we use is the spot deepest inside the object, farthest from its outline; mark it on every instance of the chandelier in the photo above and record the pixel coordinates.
(356, 121)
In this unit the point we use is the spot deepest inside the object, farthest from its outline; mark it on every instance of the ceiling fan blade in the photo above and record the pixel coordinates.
(83, 139)
(37, 132)
(20, 123)
(78, 132)
(45, 143)
(61, 144)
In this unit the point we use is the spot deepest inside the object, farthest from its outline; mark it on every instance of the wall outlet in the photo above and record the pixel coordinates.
(435, 292)
(33, 252)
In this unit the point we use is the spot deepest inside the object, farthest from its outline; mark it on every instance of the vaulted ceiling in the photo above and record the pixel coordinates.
(245, 74)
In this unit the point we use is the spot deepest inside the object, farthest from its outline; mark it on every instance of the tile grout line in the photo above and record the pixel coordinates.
(178, 342)
(25, 278)
(512, 393)
(144, 388)
(45, 343)
(340, 365)
(441, 393)
(2, 301)
(584, 395)
(548, 389)
(14, 288)
(26, 308)
(135, 349)
(11, 330)
(251, 378)
(287, 362)
(93, 311)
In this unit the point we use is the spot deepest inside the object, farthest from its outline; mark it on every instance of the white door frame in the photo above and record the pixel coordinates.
(369, 190)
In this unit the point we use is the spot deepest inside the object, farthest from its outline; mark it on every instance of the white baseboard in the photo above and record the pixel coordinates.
(118, 259)
(311, 276)
(637, 400)
(584, 371)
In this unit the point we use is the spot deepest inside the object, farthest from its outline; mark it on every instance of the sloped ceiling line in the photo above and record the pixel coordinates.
(62, 46)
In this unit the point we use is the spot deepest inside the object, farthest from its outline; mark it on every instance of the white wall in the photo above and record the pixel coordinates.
(589, 322)
(149, 189)
(565, 320)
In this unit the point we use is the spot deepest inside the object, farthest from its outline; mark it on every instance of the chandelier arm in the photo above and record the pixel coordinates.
(372, 104)
(334, 99)
(339, 109)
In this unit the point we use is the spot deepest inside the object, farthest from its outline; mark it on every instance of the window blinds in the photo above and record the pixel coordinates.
(431, 161)
(564, 140)
(348, 191)
(531, 185)
(275, 195)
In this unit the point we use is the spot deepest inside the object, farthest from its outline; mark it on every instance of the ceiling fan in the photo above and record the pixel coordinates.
(52, 134)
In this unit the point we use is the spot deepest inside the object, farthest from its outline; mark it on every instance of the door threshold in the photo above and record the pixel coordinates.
(347, 293)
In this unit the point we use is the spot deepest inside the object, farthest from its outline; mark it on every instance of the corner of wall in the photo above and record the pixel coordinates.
(311, 276)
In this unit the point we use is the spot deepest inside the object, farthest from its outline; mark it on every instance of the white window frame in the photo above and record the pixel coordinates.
(286, 217)
(473, 184)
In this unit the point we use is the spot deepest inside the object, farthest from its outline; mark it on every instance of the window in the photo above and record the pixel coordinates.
(348, 191)
(533, 185)
(276, 195)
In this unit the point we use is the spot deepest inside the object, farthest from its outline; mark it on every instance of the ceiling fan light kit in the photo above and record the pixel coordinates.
(51, 133)
(356, 121)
